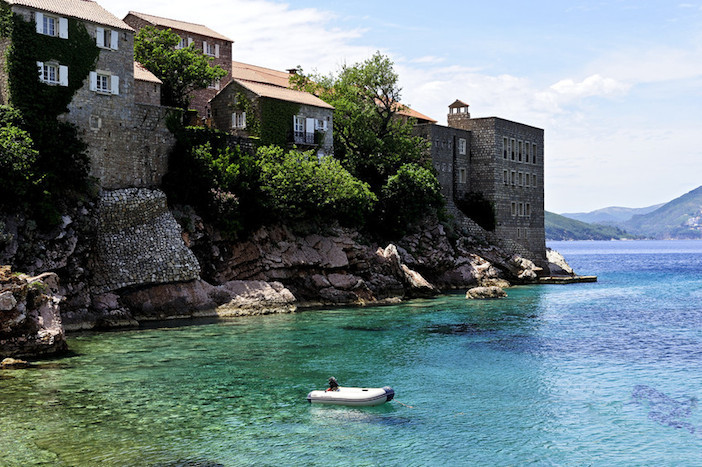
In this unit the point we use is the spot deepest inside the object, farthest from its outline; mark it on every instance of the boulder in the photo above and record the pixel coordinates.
(485, 292)
(557, 264)
(14, 364)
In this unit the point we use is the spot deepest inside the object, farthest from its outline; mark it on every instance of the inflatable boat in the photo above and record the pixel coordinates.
(352, 396)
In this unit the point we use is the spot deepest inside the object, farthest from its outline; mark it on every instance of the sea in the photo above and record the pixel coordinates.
(605, 373)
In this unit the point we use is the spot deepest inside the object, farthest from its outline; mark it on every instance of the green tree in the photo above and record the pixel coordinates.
(17, 160)
(182, 70)
(371, 138)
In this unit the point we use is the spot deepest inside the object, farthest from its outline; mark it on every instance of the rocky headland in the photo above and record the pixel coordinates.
(276, 269)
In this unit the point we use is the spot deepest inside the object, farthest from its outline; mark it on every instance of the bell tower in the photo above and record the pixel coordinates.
(458, 115)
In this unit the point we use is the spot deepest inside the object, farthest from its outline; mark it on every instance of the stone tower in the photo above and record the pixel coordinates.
(507, 168)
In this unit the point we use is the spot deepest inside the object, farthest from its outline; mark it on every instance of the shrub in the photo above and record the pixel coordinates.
(299, 186)
(409, 195)
(17, 160)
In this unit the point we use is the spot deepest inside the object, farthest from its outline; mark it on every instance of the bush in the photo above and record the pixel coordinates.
(299, 186)
(409, 195)
(17, 160)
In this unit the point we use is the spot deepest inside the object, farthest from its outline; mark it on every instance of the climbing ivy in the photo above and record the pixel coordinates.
(244, 104)
(62, 164)
(276, 121)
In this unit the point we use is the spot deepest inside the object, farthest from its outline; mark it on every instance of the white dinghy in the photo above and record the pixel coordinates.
(352, 396)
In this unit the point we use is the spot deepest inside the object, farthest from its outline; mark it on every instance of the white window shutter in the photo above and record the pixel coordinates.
(93, 81)
(243, 119)
(309, 128)
(100, 36)
(114, 40)
(190, 41)
(204, 47)
(115, 84)
(63, 28)
(39, 18)
(63, 75)
(233, 119)
(40, 65)
(217, 50)
(324, 125)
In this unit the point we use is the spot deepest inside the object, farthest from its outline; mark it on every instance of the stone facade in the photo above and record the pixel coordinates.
(225, 106)
(216, 46)
(128, 143)
(507, 168)
(449, 152)
(138, 242)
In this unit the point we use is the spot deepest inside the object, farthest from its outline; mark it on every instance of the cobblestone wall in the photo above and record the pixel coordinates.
(139, 242)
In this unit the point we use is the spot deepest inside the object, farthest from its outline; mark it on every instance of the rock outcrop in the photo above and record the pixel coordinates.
(30, 322)
(557, 264)
(479, 293)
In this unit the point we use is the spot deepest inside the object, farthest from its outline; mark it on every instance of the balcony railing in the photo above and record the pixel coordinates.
(303, 137)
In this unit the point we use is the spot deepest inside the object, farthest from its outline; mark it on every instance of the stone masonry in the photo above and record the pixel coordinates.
(138, 242)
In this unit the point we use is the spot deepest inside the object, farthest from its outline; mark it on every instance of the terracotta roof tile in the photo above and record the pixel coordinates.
(142, 74)
(260, 74)
(180, 25)
(86, 10)
(283, 94)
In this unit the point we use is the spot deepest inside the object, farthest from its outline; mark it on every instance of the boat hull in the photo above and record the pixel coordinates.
(352, 396)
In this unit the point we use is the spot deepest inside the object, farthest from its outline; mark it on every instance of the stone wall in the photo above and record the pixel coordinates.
(138, 242)
(201, 97)
(511, 182)
(147, 92)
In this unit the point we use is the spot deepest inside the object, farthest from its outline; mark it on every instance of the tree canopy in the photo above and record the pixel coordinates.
(182, 70)
(371, 137)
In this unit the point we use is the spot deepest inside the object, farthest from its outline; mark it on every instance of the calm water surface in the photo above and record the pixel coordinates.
(608, 373)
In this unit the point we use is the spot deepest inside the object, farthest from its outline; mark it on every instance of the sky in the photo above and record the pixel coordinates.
(615, 84)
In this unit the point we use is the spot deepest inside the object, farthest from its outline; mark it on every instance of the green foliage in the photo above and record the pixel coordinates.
(181, 70)
(300, 186)
(220, 182)
(478, 208)
(17, 160)
(370, 137)
(408, 196)
(59, 169)
(253, 122)
(276, 121)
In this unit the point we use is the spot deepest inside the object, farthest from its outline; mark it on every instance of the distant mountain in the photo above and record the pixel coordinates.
(613, 215)
(680, 218)
(562, 228)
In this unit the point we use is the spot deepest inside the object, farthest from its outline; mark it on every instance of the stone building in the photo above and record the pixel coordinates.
(212, 44)
(499, 159)
(239, 107)
(127, 140)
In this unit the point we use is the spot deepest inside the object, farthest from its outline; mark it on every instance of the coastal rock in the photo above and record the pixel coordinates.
(557, 264)
(485, 293)
(256, 298)
(30, 322)
(14, 364)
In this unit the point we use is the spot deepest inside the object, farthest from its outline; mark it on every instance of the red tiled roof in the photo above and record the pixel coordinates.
(142, 74)
(86, 10)
(260, 74)
(283, 94)
(194, 28)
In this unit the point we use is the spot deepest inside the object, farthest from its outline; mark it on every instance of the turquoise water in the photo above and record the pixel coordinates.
(586, 374)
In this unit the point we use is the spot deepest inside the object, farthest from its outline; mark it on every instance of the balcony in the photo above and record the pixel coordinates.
(303, 137)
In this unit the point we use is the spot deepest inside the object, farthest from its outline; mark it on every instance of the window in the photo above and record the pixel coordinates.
(461, 146)
(528, 209)
(182, 44)
(533, 180)
(519, 152)
(210, 49)
(521, 209)
(521, 179)
(104, 82)
(299, 124)
(513, 147)
(53, 73)
(514, 208)
(462, 175)
(533, 153)
(513, 178)
(51, 25)
(320, 125)
(505, 177)
(526, 179)
(214, 84)
(239, 120)
(505, 145)
(527, 146)
(106, 38)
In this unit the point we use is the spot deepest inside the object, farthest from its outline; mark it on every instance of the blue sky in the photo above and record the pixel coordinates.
(615, 84)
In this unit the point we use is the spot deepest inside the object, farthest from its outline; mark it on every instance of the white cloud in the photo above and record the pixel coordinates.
(594, 85)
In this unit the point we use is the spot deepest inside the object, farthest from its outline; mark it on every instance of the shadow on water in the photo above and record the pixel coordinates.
(663, 408)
